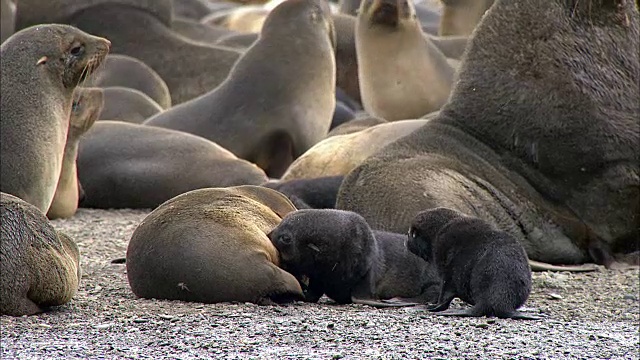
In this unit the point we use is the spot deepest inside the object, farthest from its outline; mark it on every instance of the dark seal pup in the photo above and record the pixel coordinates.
(476, 262)
(40, 266)
(210, 246)
(343, 258)
(543, 144)
(41, 67)
(316, 193)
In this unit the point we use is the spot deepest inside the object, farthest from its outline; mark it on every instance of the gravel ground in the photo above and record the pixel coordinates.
(589, 315)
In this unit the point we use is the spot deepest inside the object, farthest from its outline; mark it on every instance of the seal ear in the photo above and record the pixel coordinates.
(43, 60)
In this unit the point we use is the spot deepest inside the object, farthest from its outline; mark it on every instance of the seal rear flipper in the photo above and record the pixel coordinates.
(542, 266)
(517, 315)
(395, 302)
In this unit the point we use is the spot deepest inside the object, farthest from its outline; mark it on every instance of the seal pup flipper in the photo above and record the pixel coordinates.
(395, 302)
(542, 266)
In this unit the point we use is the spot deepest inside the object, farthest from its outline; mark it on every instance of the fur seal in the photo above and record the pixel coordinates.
(8, 19)
(243, 19)
(40, 266)
(317, 193)
(87, 103)
(238, 41)
(402, 74)
(476, 262)
(341, 114)
(151, 165)
(461, 17)
(344, 259)
(211, 246)
(126, 104)
(189, 69)
(494, 151)
(190, 9)
(355, 125)
(195, 31)
(41, 67)
(286, 121)
(337, 155)
(451, 46)
(346, 57)
(125, 71)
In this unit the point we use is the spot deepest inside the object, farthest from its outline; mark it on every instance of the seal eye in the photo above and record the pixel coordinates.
(413, 234)
(284, 239)
(77, 50)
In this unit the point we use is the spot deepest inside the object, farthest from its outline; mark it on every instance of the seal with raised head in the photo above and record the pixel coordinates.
(127, 104)
(461, 17)
(189, 69)
(41, 67)
(339, 154)
(211, 246)
(40, 266)
(542, 145)
(125, 71)
(284, 121)
(87, 103)
(150, 165)
(402, 74)
(343, 258)
(476, 262)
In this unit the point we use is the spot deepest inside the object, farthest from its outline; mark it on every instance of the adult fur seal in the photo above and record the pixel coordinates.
(189, 68)
(190, 9)
(476, 262)
(125, 71)
(339, 154)
(8, 19)
(208, 35)
(287, 120)
(343, 258)
(317, 193)
(87, 104)
(494, 150)
(402, 74)
(151, 165)
(210, 245)
(355, 125)
(126, 104)
(41, 67)
(40, 266)
(461, 17)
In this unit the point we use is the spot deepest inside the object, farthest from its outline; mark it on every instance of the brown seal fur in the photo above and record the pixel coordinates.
(40, 267)
(543, 145)
(343, 258)
(87, 104)
(402, 74)
(195, 31)
(8, 19)
(211, 246)
(476, 262)
(461, 17)
(41, 66)
(122, 165)
(284, 121)
(191, 9)
(339, 154)
(189, 68)
(126, 71)
(126, 104)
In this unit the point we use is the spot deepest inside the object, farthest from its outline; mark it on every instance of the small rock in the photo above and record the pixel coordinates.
(482, 326)
(165, 317)
(140, 320)
(330, 325)
(491, 321)
(554, 296)
(630, 297)
(337, 356)
(46, 326)
(103, 326)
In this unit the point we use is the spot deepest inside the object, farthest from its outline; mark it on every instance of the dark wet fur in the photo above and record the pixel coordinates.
(316, 193)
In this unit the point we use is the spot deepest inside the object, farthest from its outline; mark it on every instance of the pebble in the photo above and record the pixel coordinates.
(554, 296)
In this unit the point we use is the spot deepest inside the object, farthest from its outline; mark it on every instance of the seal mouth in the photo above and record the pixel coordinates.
(386, 14)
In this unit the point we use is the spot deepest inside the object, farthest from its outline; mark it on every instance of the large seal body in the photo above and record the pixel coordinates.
(210, 245)
(280, 122)
(543, 145)
(344, 259)
(127, 104)
(461, 17)
(40, 267)
(402, 74)
(316, 193)
(476, 262)
(150, 165)
(41, 67)
(87, 104)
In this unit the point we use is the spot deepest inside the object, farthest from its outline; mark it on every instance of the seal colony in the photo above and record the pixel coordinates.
(508, 143)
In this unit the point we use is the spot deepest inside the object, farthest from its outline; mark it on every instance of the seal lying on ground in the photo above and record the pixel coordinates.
(402, 74)
(41, 67)
(87, 104)
(343, 258)
(210, 245)
(123, 165)
(282, 121)
(317, 193)
(543, 145)
(476, 262)
(127, 104)
(40, 266)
